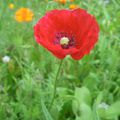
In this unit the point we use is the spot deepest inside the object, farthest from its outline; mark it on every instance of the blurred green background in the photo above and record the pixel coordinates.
(88, 89)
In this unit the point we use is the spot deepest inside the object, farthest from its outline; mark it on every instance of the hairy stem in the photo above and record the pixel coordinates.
(55, 85)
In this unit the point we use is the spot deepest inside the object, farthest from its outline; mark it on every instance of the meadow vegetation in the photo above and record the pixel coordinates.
(88, 89)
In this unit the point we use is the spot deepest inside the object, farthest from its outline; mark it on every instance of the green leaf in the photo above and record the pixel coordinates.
(83, 95)
(46, 112)
(114, 110)
(84, 113)
(82, 103)
(99, 98)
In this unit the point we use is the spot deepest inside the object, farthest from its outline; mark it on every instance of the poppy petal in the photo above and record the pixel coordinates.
(78, 25)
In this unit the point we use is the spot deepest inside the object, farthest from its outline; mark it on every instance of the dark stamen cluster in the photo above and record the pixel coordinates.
(70, 36)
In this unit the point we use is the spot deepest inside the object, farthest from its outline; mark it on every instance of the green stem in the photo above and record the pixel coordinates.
(55, 84)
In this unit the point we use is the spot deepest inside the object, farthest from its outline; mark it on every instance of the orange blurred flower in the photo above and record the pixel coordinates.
(71, 0)
(11, 6)
(24, 15)
(73, 6)
(62, 1)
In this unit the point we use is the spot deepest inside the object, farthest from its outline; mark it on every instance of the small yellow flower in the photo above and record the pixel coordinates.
(11, 6)
(24, 15)
(73, 6)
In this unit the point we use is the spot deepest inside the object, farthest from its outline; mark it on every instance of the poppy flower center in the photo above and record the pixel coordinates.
(66, 40)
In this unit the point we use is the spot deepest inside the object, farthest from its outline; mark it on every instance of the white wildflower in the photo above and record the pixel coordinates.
(103, 105)
(6, 59)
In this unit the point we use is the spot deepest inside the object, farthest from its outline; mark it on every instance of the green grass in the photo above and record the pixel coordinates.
(26, 82)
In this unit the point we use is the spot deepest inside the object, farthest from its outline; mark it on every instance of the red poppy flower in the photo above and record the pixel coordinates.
(67, 32)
